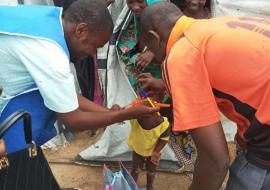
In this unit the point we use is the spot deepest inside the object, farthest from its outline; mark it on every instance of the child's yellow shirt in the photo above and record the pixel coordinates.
(143, 141)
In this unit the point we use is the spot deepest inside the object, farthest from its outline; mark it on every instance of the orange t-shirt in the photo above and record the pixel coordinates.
(222, 63)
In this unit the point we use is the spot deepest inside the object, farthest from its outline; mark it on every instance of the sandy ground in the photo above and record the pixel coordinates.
(70, 174)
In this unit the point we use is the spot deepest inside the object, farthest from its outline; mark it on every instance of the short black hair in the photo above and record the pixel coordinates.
(92, 12)
(66, 4)
(159, 15)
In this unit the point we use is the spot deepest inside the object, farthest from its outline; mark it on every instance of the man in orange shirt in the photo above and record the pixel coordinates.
(210, 65)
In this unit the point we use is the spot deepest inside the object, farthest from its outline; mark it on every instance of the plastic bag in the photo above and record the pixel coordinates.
(121, 180)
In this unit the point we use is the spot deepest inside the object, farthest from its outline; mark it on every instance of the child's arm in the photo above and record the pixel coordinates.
(144, 59)
(163, 140)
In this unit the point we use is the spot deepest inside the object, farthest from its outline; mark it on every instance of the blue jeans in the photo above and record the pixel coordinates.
(246, 176)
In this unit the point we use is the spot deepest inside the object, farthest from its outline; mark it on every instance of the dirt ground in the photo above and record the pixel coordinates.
(70, 174)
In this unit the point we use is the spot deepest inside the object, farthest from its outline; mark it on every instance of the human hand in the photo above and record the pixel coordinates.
(155, 158)
(144, 59)
(153, 87)
(140, 111)
(115, 107)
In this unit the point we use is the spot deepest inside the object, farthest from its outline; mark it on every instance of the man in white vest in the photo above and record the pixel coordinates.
(36, 46)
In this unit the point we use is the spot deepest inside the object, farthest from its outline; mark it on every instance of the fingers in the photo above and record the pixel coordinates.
(143, 81)
(140, 83)
(115, 107)
(144, 75)
(144, 59)
(146, 85)
(140, 111)
(127, 106)
(144, 64)
(141, 64)
(146, 110)
(150, 93)
(154, 109)
(139, 61)
(155, 160)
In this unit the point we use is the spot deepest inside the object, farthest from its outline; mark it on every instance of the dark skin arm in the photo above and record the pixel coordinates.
(155, 88)
(92, 116)
(149, 123)
(155, 158)
(144, 59)
(146, 56)
(213, 158)
(87, 105)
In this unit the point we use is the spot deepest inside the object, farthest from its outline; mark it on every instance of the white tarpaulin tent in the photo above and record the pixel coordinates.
(260, 8)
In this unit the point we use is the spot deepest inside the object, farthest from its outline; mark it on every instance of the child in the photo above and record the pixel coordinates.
(147, 138)
(196, 9)
(135, 55)
(148, 135)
